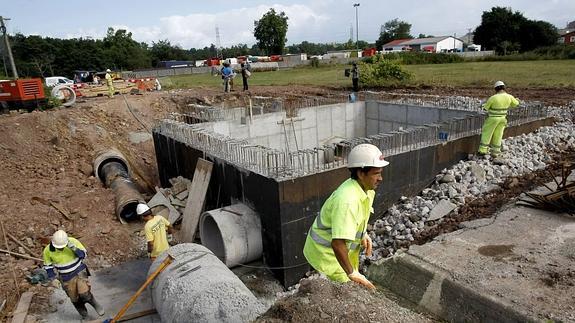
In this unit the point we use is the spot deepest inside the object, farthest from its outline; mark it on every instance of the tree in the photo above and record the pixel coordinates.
(425, 36)
(506, 31)
(122, 52)
(533, 34)
(392, 30)
(270, 32)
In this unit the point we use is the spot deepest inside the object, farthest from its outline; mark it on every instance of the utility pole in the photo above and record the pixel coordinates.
(7, 46)
(218, 44)
(356, 5)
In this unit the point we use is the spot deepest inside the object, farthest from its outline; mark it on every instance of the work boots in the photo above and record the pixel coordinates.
(81, 308)
(89, 298)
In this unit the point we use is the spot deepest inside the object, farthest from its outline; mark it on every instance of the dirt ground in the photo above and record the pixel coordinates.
(352, 304)
(46, 165)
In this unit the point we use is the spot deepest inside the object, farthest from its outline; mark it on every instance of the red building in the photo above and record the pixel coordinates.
(568, 38)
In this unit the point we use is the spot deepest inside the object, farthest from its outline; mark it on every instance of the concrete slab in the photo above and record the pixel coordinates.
(112, 287)
(514, 267)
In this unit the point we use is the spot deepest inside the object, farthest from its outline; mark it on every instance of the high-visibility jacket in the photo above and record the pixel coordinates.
(343, 216)
(498, 104)
(66, 261)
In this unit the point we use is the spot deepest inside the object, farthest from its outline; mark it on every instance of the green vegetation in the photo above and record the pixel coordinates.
(413, 58)
(382, 71)
(548, 73)
(270, 31)
(561, 51)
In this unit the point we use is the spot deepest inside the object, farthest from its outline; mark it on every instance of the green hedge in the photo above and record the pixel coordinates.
(543, 53)
(417, 58)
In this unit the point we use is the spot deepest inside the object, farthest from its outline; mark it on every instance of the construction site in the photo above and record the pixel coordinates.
(241, 178)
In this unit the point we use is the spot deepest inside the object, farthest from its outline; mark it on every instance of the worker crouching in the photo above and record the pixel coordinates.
(339, 232)
(64, 257)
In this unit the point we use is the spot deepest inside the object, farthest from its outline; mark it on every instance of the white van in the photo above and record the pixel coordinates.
(58, 80)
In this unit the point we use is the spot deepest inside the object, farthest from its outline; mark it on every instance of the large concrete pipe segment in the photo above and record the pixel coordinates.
(198, 287)
(113, 170)
(233, 233)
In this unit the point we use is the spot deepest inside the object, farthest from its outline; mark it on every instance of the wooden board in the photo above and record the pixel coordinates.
(196, 197)
(22, 309)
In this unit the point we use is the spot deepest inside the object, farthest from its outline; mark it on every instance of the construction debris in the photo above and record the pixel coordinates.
(560, 199)
(171, 202)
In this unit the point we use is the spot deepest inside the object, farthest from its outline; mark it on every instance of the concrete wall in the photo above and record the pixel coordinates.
(313, 127)
(384, 117)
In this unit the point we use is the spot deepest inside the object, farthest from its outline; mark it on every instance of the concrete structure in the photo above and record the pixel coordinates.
(431, 44)
(493, 270)
(198, 287)
(285, 164)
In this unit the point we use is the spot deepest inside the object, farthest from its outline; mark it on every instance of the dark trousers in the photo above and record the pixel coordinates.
(355, 85)
(245, 81)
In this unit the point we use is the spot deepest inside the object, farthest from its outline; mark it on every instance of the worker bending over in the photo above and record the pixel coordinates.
(334, 240)
(64, 256)
(493, 127)
(155, 230)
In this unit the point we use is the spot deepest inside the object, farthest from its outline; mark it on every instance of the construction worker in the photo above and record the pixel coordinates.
(355, 77)
(493, 127)
(227, 76)
(334, 240)
(65, 256)
(155, 230)
(110, 83)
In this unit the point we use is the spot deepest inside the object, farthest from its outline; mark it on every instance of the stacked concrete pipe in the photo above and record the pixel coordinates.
(198, 287)
(232, 233)
(113, 170)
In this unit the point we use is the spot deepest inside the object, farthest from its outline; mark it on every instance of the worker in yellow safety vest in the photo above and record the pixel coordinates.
(334, 240)
(155, 229)
(110, 83)
(64, 256)
(493, 127)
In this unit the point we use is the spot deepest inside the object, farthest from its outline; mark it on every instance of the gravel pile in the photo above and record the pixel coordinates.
(469, 180)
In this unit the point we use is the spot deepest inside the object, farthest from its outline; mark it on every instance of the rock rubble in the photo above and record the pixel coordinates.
(469, 180)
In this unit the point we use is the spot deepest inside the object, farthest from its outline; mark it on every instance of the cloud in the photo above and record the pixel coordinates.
(235, 26)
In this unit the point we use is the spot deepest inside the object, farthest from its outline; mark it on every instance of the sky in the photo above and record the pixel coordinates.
(193, 23)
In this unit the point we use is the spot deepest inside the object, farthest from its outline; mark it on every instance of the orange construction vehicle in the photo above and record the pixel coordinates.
(21, 94)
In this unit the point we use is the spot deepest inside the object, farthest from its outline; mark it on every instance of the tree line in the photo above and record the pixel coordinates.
(501, 29)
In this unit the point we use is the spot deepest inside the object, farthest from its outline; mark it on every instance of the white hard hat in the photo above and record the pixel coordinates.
(108, 70)
(59, 239)
(142, 208)
(366, 155)
(499, 83)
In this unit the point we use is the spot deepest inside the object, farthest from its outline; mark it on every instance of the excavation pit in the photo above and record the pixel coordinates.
(284, 161)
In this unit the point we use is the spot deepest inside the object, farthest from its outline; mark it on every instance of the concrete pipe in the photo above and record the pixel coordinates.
(112, 169)
(233, 233)
(198, 287)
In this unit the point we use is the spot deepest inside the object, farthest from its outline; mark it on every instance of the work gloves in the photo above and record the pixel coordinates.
(367, 244)
(71, 245)
(79, 252)
(360, 279)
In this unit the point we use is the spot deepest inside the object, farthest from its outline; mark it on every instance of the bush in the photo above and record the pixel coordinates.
(417, 58)
(561, 51)
(382, 72)
(314, 62)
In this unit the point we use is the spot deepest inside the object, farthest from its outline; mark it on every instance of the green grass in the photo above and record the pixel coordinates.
(552, 73)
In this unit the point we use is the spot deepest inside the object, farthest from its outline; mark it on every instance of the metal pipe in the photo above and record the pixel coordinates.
(112, 168)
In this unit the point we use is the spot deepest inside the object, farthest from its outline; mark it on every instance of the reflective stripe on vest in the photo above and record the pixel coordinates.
(324, 242)
(68, 267)
(493, 112)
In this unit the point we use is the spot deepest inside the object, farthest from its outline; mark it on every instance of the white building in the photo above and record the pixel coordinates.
(441, 44)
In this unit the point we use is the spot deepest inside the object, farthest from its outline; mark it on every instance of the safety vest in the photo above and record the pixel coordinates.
(65, 260)
(498, 104)
(343, 216)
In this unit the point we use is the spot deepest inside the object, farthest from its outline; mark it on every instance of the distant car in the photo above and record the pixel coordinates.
(58, 80)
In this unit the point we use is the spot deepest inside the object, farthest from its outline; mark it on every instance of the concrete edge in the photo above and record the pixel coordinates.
(433, 290)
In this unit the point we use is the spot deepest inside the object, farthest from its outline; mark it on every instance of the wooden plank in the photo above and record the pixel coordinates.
(196, 197)
(129, 317)
(22, 309)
